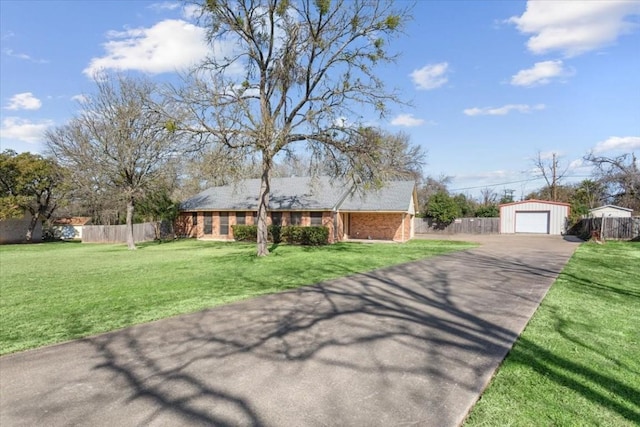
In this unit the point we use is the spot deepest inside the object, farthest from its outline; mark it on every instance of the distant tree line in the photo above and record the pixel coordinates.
(47, 188)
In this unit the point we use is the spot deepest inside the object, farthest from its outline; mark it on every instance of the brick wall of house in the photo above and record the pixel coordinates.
(185, 227)
(327, 221)
(378, 226)
(340, 231)
(404, 231)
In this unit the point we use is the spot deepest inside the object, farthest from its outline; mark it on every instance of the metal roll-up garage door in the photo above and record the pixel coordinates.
(532, 222)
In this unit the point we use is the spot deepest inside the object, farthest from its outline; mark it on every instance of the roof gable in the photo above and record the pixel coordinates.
(393, 196)
(611, 207)
(535, 201)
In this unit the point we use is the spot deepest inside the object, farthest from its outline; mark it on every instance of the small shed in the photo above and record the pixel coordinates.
(610, 211)
(534, 216)
(70, 228)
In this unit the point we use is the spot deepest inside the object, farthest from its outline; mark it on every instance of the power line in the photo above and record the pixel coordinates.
(495, 185)
(512, 182)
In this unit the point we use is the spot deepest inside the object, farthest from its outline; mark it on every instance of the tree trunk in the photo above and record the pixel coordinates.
(32, 226)
(131, 244)
(263, 205)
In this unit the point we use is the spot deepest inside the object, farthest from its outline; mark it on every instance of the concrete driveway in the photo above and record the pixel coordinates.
(413, 344)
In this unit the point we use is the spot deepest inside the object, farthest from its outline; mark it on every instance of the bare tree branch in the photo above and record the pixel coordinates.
(286, 72)
(121, 140)
(621, 177)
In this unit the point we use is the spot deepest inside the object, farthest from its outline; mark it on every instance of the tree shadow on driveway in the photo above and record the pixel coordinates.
(414, 343)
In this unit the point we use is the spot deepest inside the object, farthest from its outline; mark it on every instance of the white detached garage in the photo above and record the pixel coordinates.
(534, 216)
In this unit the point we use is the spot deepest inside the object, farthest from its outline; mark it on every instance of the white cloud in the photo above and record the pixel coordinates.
(430, 76)
(14, 54)
(191, 11)
(24, 56)
(575, 27)
(24, 101)
(541, 74)
(577, 164)
(501, 111)
(23, 130)
(165, 5)
(167, 46)
(188, 11)
(620, 143)
(406, 120)
(79, 98)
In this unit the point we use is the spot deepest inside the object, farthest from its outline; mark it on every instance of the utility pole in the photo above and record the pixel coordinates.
(554, 191)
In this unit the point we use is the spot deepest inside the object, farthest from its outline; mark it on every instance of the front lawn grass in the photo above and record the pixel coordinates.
(578, 361)
(54, 292)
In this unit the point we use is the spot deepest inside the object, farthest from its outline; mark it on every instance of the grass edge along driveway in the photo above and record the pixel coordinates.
(576, 363)
(54, 292)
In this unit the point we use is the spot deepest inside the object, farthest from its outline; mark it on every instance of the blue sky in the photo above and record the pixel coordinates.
(492, 83)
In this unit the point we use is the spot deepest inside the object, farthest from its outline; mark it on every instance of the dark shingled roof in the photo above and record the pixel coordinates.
(303, 193)
(393, 197)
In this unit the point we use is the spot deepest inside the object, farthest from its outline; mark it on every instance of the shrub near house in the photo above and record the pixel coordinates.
(293, 234)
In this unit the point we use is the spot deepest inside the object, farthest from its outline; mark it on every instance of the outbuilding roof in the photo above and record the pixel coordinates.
(303, 194)
(535, 201)
(72, 220)
(611, 207)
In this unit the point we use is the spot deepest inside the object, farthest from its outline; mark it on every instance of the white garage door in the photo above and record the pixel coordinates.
(532, 222)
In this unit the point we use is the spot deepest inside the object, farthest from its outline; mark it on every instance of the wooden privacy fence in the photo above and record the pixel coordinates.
(608, 228)
(118, 233)
(458, 226)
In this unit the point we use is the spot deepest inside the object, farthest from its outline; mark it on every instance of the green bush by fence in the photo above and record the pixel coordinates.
(292, 234)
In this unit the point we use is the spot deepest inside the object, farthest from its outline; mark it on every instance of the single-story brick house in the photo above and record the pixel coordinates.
(380, 214)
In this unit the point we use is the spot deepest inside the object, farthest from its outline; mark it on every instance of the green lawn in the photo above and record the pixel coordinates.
(578, 361)
(54, 292)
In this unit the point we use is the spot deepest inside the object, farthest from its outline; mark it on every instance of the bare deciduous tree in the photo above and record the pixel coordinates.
(552, 172)
(119, 141)
(488, 196)
(293, 75)
(621, 177)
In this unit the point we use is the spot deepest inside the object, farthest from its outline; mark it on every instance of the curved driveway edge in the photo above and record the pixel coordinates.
(413, 344)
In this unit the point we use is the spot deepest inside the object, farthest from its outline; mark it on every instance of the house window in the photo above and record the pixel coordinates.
(194, 218)
(276, 218)
(208, 223)
(241, 218)
(296, 218)
(316, 219)
(224, 223)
